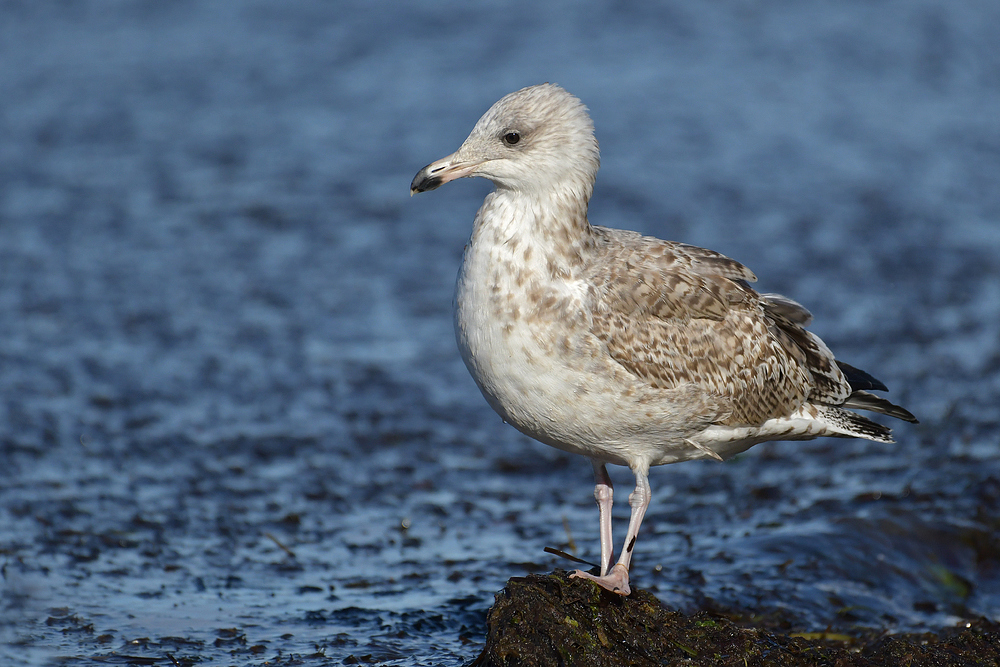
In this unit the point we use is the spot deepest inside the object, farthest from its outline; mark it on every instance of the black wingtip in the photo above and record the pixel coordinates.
(859, 379)
(862, 400)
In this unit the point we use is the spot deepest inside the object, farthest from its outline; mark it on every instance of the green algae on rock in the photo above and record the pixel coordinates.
(543, 620)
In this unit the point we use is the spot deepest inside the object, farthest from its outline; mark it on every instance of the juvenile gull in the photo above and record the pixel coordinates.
(620, 347)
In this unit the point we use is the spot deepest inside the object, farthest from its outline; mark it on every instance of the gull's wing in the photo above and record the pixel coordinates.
(674, 314)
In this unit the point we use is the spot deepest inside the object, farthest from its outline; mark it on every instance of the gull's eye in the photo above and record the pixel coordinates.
(511, 138)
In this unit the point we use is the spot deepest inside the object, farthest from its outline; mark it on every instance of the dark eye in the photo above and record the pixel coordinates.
(511, 138)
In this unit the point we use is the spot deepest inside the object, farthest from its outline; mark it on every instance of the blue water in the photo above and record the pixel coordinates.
(233, 422)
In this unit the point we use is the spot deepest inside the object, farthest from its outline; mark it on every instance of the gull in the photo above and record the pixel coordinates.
(624, 348)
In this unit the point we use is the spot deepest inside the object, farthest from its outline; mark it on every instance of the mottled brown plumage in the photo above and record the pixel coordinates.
(674, 314)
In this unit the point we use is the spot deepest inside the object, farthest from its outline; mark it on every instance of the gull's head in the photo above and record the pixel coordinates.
(537, 139)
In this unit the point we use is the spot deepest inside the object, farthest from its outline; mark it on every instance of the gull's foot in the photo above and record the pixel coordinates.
(615, 581)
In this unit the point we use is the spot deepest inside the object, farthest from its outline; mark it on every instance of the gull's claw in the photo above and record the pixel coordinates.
(615, 581)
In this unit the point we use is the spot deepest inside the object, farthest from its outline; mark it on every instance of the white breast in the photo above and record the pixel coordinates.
(526, 337)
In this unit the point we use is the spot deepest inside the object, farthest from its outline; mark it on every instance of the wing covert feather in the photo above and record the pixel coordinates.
(674, 314)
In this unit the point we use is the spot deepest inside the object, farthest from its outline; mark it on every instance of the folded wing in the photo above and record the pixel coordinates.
(674, 314)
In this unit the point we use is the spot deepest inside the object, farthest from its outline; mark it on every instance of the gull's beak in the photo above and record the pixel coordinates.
(438, 173)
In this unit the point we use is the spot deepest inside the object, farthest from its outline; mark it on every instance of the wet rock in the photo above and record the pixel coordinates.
(543, 620)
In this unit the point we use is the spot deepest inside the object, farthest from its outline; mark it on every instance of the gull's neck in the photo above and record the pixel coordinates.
(547, 230)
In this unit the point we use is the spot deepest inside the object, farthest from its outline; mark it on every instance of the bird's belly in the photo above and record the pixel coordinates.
(533, 367)
(553, 380)
(545, 396)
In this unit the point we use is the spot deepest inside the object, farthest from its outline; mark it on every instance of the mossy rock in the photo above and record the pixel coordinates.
(552, 620)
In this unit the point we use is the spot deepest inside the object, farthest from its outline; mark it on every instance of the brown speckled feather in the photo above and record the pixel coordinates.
(674, 314)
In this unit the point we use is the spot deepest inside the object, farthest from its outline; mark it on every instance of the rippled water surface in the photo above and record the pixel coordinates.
(234, 427)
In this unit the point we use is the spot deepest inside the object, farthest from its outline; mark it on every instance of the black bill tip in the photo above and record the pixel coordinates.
(424, 181)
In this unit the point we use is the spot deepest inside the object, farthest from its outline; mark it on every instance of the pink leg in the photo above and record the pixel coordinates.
(604, 492)
(616, 580)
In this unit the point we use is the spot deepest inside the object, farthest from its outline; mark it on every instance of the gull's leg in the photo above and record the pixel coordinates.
(603, 494)
(616, 580)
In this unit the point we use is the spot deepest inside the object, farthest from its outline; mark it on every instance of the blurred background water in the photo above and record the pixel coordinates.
(233, 422)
